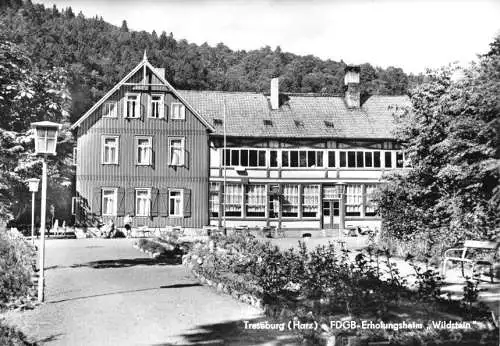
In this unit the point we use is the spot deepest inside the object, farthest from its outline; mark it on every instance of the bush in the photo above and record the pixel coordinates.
(17, 258)
(11, 337)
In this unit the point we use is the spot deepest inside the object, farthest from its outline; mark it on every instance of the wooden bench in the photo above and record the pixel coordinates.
(460, 255)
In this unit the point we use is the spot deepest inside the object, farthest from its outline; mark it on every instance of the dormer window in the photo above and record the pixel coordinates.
(299, 123)
(156, 106)
(132, 104)
(268, 122)
(329, 123)
(178, 111)
(218, 122)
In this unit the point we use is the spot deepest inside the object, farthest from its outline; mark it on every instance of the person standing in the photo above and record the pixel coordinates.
(127, 220)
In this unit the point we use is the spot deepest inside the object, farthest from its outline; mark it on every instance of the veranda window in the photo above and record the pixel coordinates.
(370, 206)
(354, 199)
(290, 200)
(256, 200)
(233, 199)
(214, 199)
(310, 201)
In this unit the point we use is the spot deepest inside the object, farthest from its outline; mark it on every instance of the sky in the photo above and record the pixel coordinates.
(412, 34)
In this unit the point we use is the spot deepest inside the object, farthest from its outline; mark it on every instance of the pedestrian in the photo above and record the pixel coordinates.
(127, 220)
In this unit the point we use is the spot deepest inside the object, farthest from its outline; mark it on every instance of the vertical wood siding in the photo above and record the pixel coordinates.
(92, 174)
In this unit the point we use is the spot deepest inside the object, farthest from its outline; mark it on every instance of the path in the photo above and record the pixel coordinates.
(105, 292)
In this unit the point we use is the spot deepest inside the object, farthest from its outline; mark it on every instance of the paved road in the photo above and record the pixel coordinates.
(105, 292)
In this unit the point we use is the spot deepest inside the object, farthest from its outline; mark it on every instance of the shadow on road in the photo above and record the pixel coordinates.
(129, 262)
(124, 292)
(234, 333)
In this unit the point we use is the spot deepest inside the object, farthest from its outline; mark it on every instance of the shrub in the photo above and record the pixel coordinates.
(17, 259)
(11, 337)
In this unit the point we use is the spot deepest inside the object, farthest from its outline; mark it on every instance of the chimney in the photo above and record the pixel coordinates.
(352, 94)
(275, 93)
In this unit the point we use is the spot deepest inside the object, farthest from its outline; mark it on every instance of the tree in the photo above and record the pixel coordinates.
(451, 135)
(27, 96)
(124, 27)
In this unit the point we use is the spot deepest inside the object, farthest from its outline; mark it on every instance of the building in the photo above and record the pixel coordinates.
(166, 156)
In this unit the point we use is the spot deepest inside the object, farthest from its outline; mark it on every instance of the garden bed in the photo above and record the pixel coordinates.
(321, 285)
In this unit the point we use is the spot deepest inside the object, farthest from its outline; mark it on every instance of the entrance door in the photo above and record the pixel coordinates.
(331, 209)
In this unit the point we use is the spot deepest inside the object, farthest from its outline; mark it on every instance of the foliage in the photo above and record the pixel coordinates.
(97, 54)
(16, 268)
(451, 134)
(28, 95)
(9, 336)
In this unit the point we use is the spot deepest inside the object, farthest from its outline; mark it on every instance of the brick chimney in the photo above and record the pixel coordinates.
(353, 93)
(275, 93)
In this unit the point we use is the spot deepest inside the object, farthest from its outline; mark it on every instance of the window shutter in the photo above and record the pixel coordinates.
(187, 203)
(96, 201)
(154, 202)
(165, 109)
(163, 203)
(120, 211)
(183, 112)
(130, 202)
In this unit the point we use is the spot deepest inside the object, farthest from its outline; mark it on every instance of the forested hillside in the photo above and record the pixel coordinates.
(97, 54)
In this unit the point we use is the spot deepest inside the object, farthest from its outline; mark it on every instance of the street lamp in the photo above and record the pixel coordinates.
(45, 144)
(33, 187)
(341, 188)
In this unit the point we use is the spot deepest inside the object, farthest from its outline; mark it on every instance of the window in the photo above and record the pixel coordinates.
(351, 159)
(175, 203)
(156, 107)
(142, 202)
(354, 197)
(310, 201)
(109, 109)
(343, 161)
(176, 151)
(233, 199)
(245, 157)
(214, 199)
(274, 158)
(110, 150)
(376, 159)
(399, 159)
(331, 159)
(178, 111)
(290, 200)
(256, 200)
(109, 202)
(144, 150)
(368, 159)
(388, 159)
(370, 207)
(132, 104)
(302, 158)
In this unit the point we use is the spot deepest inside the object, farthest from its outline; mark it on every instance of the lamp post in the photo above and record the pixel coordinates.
(45, 145)
(33, 187)
(341, 191)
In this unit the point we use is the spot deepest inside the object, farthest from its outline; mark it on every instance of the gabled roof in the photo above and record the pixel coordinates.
(155, 71)
(300, 116)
